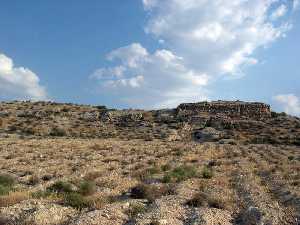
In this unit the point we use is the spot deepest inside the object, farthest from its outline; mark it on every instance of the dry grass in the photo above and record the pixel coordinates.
(13, 198)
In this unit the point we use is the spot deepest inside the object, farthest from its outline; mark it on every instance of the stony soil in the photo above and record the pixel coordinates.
(217, 184)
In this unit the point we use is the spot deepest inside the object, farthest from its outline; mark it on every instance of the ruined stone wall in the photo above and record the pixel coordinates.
(232, 109)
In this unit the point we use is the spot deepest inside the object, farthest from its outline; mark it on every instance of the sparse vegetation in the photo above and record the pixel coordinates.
(102, 166)
(13, 198)
(87, 187)
(150, 192)
(136, 209)
(61, 187)
(6, 184)
(75, 200)
(180, 173)
(207, 172)
(7, 180)
(208, 200)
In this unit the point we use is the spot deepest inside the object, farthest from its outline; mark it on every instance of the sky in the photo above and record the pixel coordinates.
(151, 53)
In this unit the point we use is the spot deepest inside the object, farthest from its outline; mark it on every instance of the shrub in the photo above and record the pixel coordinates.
(203, 199)
(180, 174)
(166, 167)
(4, 190)
(33, 180)
(75, 200)
(41, 194)
(87, 188)
(198, 200)
(150, 192)
(216, 202)
(60, 187)
(135, 209)
(7, 180)
(146, 174)
(58, 132)
(207, 173)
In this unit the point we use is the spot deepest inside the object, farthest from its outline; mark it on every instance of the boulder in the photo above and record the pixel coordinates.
(207, 134)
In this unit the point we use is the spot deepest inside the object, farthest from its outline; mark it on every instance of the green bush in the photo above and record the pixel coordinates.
(41, 194)
(207, 173)
(7, 180)
(75, 200)
(87, 188)
(60, 187)
(180, 173)
(4, 190)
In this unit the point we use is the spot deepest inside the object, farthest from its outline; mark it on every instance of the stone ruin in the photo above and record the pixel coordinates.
(233, 109)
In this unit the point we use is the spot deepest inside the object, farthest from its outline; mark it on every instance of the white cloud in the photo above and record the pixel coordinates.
(204, 38)
(209, 34)
(150, 80)
(289, 102)
(279, 12)
(296, 4)
(19, 82)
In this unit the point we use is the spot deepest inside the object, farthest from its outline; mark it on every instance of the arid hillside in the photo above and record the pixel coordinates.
(218, 163)
(216, 121)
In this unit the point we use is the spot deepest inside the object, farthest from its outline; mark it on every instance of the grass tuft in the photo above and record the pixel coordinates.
(180, 174)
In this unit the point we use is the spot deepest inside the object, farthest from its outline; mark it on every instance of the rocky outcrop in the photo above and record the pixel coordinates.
(248, 122)
(229, 108)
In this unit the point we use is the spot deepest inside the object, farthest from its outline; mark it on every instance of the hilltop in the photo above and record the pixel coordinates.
(206, 163)
(239, 121)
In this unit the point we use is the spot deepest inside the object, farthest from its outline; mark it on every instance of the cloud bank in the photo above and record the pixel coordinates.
(289, 102)
(202, 41)
(19, 82)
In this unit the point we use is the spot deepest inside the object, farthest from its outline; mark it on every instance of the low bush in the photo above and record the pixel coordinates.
(41, 194)
(33, 180)
(60, 187)
(203, 199)
(150, 192)
(75, 200)
(6, 184)
(180, 174)
(58, 132)
(4, 190)
(207, 173)
(87, 188)
(198, 200)
(136, 209)
(166, 167)
(7, 180)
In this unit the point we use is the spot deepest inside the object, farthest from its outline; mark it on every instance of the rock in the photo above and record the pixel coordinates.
(252, 216)
(90, 116)
(4, 114)
(229, 108)
(207, 134)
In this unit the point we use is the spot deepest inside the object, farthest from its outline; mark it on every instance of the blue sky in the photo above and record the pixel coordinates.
(125, 53)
